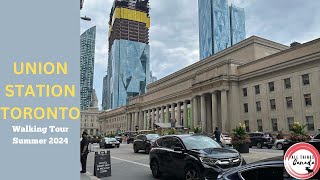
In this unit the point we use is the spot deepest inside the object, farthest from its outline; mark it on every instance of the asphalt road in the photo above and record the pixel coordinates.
(126, 164)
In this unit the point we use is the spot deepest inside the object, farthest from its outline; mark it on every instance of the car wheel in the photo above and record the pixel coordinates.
(193, 173)
(279, 146)
(118, 146)
(154, 166)
(269, 147)
(135, 150)
(259, 145)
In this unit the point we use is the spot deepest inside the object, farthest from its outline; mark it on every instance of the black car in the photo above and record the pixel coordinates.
(261, 140)
(315, 141)
(191, 156)
(144, 142)
(130, 136)
(272, 168)
(109, 142)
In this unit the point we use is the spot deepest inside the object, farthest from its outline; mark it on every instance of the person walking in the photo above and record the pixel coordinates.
(217, 135)
(84, 152)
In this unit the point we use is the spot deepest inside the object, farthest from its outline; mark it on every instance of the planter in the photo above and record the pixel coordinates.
(242, 148)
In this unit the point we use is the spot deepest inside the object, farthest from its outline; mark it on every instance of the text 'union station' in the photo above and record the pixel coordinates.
(263, 84)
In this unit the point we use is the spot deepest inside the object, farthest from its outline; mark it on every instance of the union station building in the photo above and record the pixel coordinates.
(263, 84)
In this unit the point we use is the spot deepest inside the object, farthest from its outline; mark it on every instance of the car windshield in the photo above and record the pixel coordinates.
(111, 139)
(152, 136)
(199, 142)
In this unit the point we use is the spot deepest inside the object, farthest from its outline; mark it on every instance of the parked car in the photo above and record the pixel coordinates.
(272, 168)
(109, 142)
(225, 139)
(118, 138)
(191, 156)
(144, 142)
(280, 143)
(260, 140)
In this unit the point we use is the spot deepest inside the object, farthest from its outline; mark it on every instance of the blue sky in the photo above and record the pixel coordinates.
(174, 34)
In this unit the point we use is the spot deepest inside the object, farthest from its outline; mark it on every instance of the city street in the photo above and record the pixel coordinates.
(125, 164)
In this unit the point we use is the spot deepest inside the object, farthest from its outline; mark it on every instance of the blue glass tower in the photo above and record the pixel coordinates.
(87, 50)
(220, 26)
(128, 70)
(237, 19)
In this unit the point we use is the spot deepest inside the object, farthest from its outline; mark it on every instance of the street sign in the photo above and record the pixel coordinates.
(102, 164)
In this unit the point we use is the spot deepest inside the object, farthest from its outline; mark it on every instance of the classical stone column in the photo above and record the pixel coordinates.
(136, 120)
(179, 113)
(157, 115)
(141, 120)
(145, 124)
(185, 114)
(152, 117)
(167, 119)
(149, 119)
(214, 111)
(162, 114)
(195, 112)
(129, 122)
(224, 110)
(203, 113)
(173, 113)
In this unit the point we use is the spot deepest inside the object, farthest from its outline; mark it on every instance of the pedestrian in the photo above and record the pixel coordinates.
(217, 135)
(84, 152)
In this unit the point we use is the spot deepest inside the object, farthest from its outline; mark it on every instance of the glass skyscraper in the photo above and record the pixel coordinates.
(87, 50)
(128, 70)
(220, 26)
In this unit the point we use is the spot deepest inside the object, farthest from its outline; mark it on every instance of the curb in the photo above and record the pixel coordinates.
(91, 176)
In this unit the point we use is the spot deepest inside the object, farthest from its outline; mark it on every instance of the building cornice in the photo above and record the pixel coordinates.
(217, 56)
(278, 67)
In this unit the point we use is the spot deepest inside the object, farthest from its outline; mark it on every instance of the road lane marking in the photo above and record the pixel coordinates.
(145, 165)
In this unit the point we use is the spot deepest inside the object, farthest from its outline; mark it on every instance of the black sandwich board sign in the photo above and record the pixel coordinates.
(102, 164)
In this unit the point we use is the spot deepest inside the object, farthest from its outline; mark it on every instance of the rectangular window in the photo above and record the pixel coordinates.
(305, 79)
(259, 122)
(258, 106)
(272, 104)
(307, 99)
(271, 86)
(287, 83)
(245, 105)
(274, 124)
(245, 92)
(310, 123)
(290, 122)
(257, 89)
(246, 123)
(289, 102)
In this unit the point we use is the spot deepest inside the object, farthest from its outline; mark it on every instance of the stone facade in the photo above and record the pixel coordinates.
(89, 121)
(210, 93)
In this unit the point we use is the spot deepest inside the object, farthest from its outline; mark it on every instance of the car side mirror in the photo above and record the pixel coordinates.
(177, 149)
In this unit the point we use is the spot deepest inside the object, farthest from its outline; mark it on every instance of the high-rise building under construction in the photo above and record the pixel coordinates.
(128, 70)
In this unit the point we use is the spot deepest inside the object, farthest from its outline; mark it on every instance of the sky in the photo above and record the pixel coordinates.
(174, 32)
